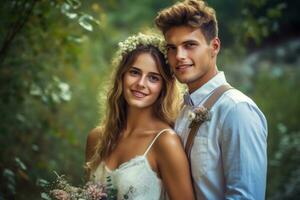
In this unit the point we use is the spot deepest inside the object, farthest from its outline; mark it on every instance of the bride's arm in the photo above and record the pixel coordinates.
(173, 167)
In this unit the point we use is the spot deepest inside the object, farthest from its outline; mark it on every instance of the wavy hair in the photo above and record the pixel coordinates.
(165, 107)
(193, 13)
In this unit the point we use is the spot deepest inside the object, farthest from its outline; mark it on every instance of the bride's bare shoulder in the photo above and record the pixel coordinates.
(94, 134)
(168, 143)
(168, 139)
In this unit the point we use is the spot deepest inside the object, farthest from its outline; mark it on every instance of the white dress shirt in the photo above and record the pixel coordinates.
(229, 155)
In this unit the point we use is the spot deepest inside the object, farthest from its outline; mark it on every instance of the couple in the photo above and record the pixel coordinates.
(137, 144)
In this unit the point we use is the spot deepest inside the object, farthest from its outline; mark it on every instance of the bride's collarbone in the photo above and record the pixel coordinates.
(130, 148)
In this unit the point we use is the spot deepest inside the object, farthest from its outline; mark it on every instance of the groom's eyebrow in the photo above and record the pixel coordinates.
(182, 43)
(170, 45)
(189, 41)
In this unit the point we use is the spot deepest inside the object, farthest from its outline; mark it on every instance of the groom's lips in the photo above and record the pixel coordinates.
(183, 67)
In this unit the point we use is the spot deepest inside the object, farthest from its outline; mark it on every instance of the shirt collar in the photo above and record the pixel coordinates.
(204, 91)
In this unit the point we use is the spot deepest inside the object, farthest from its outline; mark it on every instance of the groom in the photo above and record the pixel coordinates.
(228, 154)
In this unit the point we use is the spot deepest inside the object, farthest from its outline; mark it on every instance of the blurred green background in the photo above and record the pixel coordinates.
(55, 60)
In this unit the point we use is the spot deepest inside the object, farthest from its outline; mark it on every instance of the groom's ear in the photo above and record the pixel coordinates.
(215, 45)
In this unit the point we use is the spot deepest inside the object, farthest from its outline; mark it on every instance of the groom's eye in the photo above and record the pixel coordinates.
(190, 45)
(170, 48)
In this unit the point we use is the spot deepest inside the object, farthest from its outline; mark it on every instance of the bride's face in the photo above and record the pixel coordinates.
(142, 83)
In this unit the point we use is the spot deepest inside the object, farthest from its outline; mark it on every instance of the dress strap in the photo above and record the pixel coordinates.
(149, 147)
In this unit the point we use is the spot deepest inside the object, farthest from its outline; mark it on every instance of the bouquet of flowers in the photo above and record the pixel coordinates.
(92, 190)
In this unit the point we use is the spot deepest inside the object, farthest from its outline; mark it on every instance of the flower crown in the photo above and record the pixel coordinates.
(132, 42)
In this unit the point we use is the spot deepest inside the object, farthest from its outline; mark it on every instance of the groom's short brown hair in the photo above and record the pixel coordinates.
(193, 13)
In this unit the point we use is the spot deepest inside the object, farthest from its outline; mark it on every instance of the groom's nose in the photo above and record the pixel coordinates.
(181, 53)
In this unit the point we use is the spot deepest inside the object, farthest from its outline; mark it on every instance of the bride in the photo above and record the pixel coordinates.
(135, 145)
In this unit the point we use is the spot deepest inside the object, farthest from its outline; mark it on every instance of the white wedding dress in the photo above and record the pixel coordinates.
(134, 177)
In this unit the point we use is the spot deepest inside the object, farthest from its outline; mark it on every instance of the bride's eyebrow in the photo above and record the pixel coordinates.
(155, 73)
(135, 68)
(138, 69)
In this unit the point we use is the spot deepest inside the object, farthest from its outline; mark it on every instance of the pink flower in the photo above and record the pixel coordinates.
(60, 194)
(96, 191)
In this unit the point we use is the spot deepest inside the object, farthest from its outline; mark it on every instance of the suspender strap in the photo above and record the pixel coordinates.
(208, 104)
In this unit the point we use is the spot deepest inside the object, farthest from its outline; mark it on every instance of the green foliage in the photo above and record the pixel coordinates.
(275, 81)
(279, 97)
(32, 92)
(255, 20)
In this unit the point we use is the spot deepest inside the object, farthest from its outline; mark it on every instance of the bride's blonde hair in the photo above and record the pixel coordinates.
(165, 107)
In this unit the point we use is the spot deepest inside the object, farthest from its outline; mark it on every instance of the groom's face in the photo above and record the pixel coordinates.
(192, 59)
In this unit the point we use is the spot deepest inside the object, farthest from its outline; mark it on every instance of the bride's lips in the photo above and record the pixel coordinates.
(138, 94)
(183, 67)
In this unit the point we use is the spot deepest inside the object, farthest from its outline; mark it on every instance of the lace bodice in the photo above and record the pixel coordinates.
(134, 176)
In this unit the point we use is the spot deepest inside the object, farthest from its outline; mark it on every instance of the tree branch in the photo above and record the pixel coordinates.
(16, 27)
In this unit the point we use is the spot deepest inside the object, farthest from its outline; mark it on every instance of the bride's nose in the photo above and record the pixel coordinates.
(142, 82)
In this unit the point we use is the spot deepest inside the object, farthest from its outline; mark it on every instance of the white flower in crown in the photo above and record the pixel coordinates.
(134, 41)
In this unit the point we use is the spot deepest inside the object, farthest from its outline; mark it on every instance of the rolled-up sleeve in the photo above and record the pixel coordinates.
(244, 152)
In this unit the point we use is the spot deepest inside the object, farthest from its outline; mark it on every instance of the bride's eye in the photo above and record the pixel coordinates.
(153, 78)
(134, 72)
